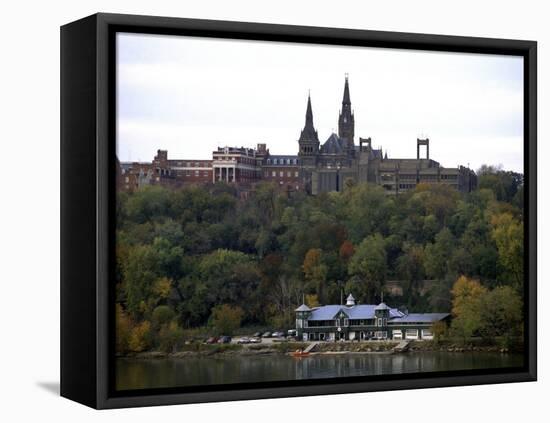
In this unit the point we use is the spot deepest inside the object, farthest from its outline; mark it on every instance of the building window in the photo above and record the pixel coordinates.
(379, 322)
(346, 322)
(411, 334)
(296, 174)
(427, 334)
(289, 174)
(273, 173)
(397, 334)
(281, 174)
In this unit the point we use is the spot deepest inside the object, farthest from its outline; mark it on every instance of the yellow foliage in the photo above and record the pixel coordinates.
(311, 261)
(466, 295)
(312, 300)
(162, 287)
(140, 337)
(507, 233)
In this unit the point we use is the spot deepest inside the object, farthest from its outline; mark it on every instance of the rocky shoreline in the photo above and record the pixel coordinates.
(198, 350)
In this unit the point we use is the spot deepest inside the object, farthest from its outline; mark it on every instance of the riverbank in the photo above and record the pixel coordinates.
(366, 347)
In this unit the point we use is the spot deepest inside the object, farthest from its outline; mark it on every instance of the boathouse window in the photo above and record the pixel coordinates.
(379, 322)
(411, 334)
(427, 334)
(346, 322)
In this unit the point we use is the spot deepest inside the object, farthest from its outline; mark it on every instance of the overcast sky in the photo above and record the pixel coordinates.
(189, 95)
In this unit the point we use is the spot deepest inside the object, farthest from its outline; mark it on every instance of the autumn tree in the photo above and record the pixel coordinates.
(346, 250)
(315, 272)
(468, 301)
(140, 337)
(225, 319)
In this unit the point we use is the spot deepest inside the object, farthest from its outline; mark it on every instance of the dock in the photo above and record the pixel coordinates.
(403, 346)
(311, 347)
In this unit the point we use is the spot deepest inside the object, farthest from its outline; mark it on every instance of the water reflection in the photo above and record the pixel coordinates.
(189, 371)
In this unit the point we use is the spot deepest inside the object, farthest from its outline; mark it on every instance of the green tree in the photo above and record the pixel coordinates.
(170, 337)
(507, 233)
(369, 265)
(501, 314)
(504, 184)
(225, 319)
(162, 315)
(410, 268)
(437, 254)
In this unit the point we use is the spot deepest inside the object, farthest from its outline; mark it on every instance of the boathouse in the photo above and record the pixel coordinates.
(363, 322)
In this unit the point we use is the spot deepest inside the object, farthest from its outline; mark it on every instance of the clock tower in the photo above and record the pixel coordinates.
(346, 120)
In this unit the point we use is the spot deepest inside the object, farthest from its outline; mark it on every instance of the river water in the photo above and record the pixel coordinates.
(192, 371)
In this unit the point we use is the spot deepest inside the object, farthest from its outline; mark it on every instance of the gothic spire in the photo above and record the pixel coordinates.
(346, 100)
(309, 112)
(309, 133)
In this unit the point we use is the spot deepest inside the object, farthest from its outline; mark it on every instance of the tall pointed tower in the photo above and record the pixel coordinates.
(346, 120)
(309, 141)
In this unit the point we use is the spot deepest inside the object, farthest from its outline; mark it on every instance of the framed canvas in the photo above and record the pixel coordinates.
(257, 211)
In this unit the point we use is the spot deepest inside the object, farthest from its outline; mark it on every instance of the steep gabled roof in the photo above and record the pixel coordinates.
(361, 311)
(333, 145)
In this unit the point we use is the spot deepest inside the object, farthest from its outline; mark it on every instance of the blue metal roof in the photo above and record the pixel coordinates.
(303, 307)
(361, 311)
(420, 318)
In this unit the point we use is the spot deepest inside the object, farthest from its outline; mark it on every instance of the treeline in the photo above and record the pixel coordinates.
(182, 253)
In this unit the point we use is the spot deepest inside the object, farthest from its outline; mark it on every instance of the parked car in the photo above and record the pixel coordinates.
(211, 340)
(224, 340)
(292, 332)
(255, 340)
(278, 334)
(257, 334)
(266, 335)
(244, 340)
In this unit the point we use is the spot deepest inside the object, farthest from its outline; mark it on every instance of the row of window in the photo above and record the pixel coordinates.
(193, 164)
(345, 322)
(282, 161)
(197, 173)
(281, 174)
(389, 177)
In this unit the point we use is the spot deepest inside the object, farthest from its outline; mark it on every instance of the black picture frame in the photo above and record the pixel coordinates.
(88, 198)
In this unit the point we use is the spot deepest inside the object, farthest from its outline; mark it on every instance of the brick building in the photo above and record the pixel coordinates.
(315, 169)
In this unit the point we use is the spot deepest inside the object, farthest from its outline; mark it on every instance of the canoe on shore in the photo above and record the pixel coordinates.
(300, 354)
